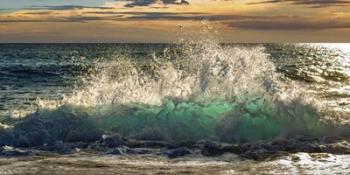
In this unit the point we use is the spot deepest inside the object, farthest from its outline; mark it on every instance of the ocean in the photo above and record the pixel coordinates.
(172, 93)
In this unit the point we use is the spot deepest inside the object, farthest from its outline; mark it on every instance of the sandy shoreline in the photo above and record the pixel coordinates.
(83, 163)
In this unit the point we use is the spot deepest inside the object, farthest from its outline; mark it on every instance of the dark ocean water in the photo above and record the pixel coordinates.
(48, 71)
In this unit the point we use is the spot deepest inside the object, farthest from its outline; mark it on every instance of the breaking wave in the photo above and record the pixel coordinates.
(189, 92)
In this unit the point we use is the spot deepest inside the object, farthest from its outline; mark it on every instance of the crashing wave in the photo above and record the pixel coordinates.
(192, 91)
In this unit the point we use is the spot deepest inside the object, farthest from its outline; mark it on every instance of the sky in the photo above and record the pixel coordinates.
(162, 21)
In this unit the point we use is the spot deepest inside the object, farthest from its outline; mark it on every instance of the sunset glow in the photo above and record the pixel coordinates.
(158, 21)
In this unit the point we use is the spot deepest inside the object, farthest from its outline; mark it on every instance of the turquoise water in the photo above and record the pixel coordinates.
(188, 121)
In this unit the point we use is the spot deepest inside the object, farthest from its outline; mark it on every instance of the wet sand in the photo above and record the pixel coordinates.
(85, 164)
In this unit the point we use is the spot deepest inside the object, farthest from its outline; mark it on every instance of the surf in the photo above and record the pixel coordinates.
(192, 91)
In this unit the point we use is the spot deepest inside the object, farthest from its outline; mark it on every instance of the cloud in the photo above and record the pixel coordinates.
(231, 21)
(132, 15)
(289, 24)
(121, 16)
(310, 3)
(134, 3)
(4, 10)
(141, 13)
(182, 16)
(68, 19)
(65, 7)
